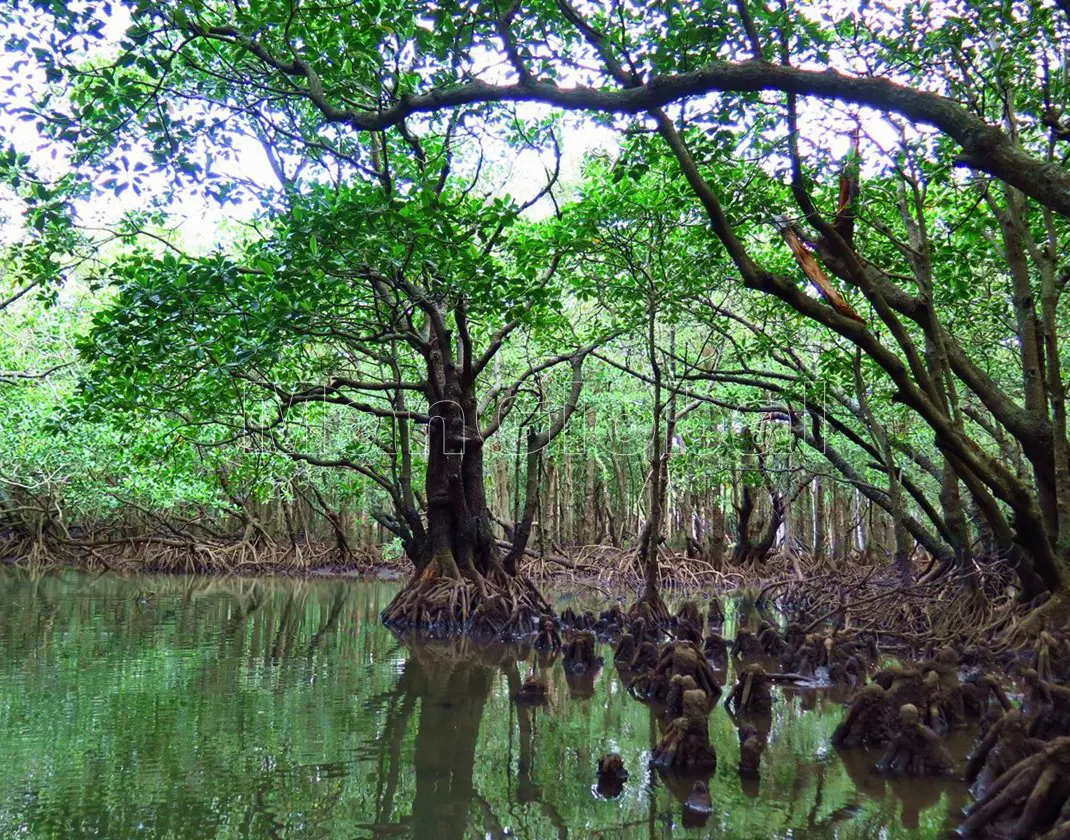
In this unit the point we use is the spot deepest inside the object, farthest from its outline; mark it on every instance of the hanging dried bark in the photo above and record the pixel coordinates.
(816, 274)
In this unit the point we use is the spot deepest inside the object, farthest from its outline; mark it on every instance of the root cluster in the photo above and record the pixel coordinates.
(508, 607)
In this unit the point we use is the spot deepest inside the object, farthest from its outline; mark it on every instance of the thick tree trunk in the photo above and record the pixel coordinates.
(650, 604)
(750, 550)
(462, 585)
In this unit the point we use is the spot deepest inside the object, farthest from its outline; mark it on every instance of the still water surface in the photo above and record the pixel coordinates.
(168, 707)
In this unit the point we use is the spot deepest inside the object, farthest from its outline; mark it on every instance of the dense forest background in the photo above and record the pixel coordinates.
(468, 283)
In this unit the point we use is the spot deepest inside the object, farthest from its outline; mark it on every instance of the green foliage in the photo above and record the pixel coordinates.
(266, 352)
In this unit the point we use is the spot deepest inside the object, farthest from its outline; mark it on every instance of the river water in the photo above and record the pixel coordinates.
(170, 707)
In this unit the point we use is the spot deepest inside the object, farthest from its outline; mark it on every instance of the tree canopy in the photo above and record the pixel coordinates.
(501, 271)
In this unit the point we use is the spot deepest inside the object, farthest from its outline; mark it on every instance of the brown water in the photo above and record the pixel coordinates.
(163, 707)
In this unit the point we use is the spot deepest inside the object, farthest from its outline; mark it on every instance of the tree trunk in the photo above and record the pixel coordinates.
(650, 604)
(819, 521)
(463, 584)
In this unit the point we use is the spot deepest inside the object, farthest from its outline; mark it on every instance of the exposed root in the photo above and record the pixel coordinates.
(1027, 798)
(751, 693)
(676, 659)
(579, 654)
(645, 658)
(548, 638)
(674, 702)
(915, 749)
(625, 650)
(509, 607)
(715, 648)
(868, 720)
(746, 645)
(184, 554)
(1048, 707)
(685, 747)
(1052, 614)
(533, 691)
(651, 608)
(1003, 746)
(977, 694)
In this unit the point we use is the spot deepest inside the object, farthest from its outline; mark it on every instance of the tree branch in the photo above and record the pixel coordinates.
(985, 147)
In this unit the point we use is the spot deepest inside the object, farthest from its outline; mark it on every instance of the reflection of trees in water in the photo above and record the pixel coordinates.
(452, 696)
(150, 698)
(909, 796)
(283, 708)
(526, 790)
(450, 683)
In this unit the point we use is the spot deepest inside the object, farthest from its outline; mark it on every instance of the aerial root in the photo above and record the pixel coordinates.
(507, 608)
(1029, 796)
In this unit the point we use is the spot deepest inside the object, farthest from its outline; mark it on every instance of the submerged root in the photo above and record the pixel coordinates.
(750, 752)
(868, 720)
(915, 749)
(611, 775)
(685, 747)
(698, 806)
(533, 691)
